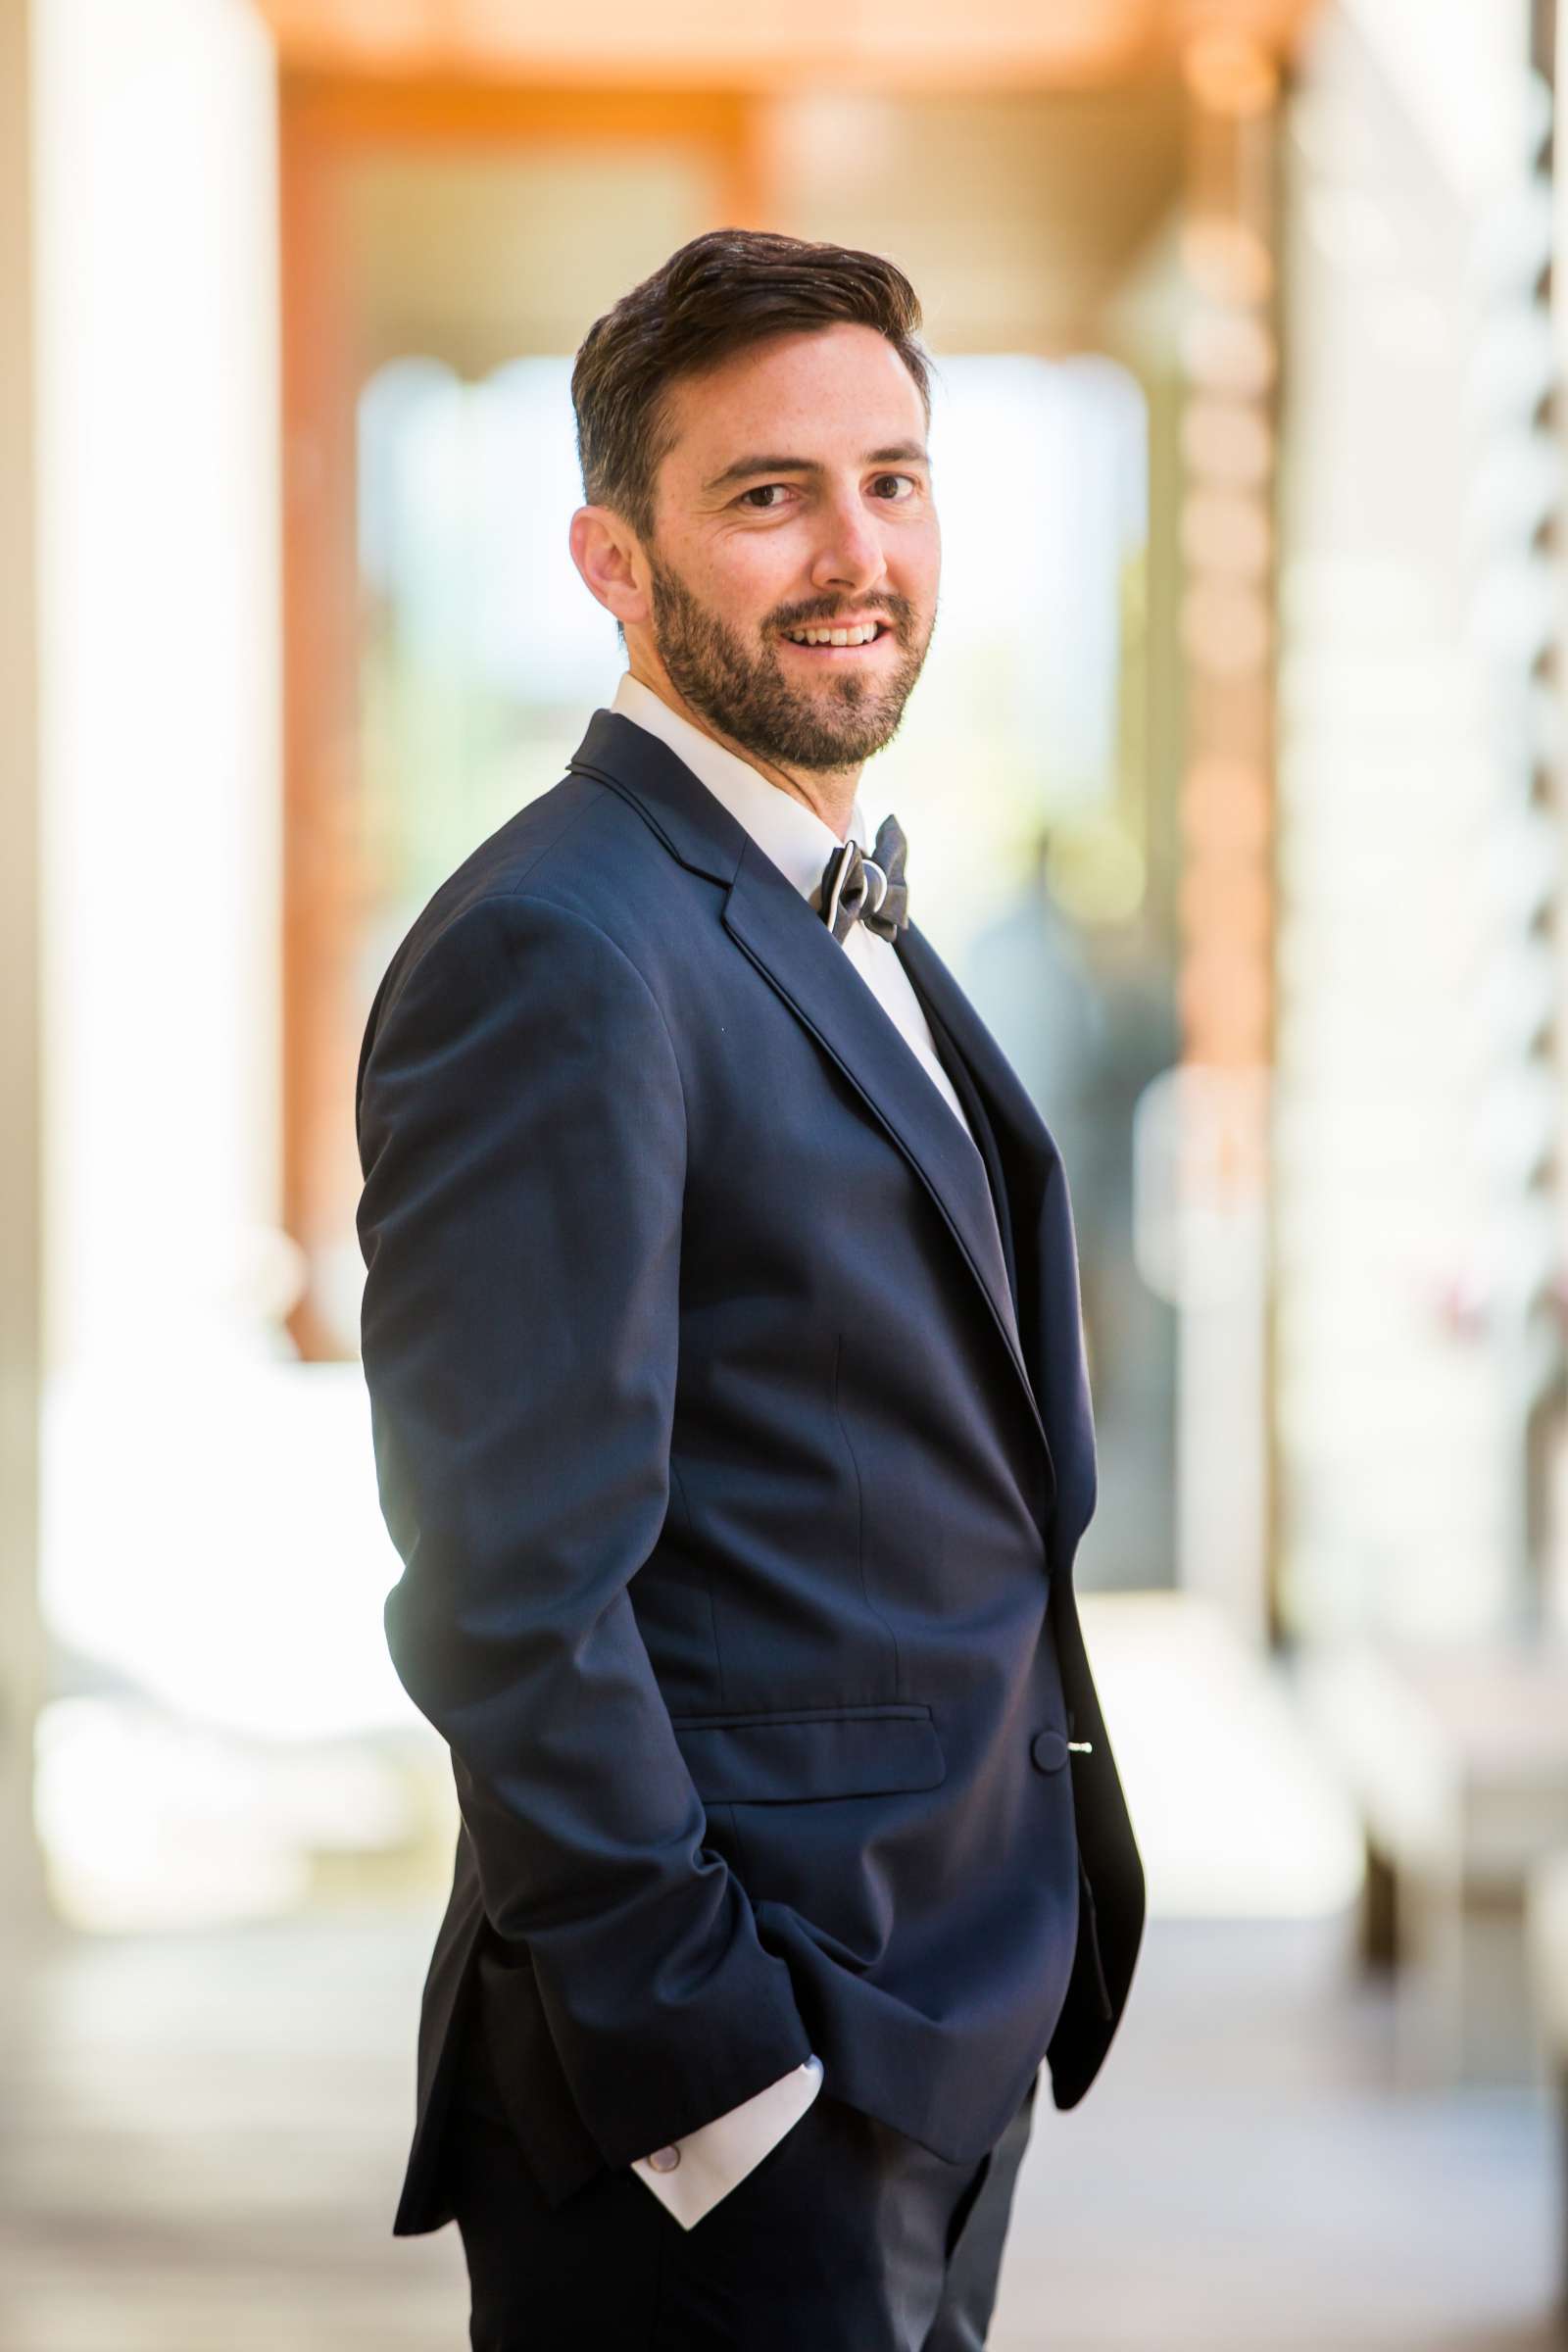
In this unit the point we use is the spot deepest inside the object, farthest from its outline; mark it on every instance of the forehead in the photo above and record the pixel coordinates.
(825, 395)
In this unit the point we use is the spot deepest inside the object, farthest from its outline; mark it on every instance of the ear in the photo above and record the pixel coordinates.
(605, 550)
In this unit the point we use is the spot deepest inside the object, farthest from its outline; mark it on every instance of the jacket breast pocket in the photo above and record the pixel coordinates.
(793, 1755)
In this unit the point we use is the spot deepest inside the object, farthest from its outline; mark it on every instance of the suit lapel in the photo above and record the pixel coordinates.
(962, 1079)
(793, 948)
(1044, 1241)
(773, 925)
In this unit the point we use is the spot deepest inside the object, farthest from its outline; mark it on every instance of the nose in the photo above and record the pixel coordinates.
(851, 557)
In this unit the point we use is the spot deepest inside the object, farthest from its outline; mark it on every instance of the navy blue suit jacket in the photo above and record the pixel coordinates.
(737, 1460)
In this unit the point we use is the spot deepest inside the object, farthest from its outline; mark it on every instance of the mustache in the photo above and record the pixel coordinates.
(897, 611)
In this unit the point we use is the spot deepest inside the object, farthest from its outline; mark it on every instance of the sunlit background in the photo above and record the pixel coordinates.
(1233, 794)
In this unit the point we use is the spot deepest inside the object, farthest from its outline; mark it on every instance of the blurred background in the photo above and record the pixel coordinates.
(1234, 782)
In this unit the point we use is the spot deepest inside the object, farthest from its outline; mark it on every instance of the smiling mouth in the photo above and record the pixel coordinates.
(813, 637)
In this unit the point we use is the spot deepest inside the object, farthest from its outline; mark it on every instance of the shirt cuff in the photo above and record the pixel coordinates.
(714, 2159)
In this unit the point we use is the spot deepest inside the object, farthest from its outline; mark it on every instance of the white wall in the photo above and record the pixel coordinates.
(1403, 947)
(19, 1203)
(1456, 66)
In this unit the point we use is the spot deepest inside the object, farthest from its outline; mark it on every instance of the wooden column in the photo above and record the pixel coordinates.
(1225, 983)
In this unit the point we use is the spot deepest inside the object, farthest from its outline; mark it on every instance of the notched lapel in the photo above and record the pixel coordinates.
(793, 949)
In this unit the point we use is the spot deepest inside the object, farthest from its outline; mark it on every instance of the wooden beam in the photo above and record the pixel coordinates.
(928, 44)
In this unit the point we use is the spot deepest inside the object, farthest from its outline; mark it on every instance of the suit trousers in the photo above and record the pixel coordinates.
(848, 2237)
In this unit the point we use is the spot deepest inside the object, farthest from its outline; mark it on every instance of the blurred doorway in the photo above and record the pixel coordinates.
(445, 249)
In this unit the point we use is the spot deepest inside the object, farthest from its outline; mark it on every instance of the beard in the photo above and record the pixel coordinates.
(743, 692)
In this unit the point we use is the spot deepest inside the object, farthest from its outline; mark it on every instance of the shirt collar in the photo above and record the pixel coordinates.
(795, 839)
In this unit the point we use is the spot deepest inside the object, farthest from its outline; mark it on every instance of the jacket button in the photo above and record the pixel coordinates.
(1048, 1750)
(663, 2159)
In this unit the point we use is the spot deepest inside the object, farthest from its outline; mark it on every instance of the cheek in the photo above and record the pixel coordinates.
(753, 572)
(914, 562)
(928, 560)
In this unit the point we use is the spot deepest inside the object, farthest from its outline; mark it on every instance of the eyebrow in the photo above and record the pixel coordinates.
(898, 453)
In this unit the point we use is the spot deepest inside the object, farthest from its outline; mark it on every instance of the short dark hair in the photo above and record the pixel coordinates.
(723, 290)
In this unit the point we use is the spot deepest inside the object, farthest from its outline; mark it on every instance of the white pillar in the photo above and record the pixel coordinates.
(161, 674)
(161, 754)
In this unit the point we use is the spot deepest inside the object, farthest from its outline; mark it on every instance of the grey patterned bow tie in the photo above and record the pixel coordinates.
(870, 890)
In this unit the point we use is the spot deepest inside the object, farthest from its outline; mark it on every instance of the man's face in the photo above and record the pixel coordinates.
(796, 495)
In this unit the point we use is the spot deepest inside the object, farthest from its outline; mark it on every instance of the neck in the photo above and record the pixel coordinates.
(829, 793)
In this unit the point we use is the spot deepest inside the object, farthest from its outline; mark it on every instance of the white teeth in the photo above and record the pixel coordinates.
(862, 635)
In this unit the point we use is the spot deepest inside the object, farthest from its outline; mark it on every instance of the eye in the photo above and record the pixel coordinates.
(763, 490)
(911, 486)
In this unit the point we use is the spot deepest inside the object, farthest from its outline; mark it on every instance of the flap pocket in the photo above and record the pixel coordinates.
(809, 1752)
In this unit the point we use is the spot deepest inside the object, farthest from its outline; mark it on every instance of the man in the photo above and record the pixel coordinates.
(722, 1336)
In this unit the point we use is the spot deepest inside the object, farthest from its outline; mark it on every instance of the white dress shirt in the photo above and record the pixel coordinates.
(692, 2174)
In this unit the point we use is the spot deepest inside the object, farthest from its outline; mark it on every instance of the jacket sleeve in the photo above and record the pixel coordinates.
(523, 1139)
